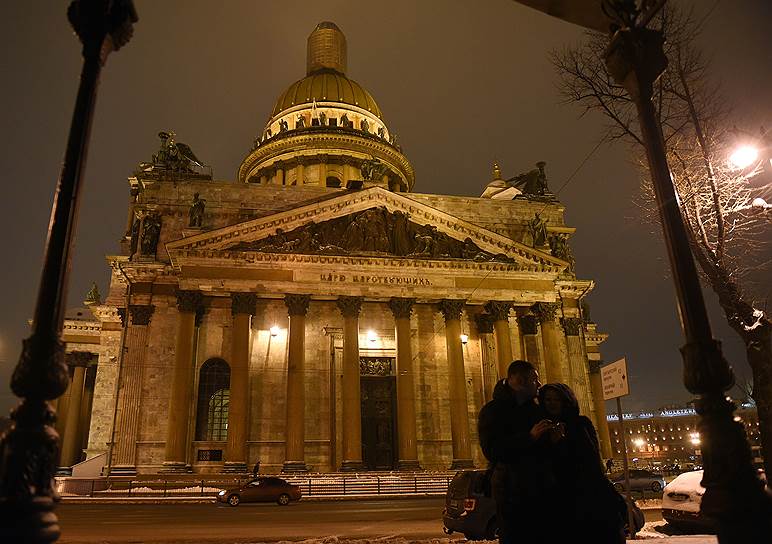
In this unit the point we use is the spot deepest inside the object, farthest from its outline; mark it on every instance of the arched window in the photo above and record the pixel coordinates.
(332, 181)
(213, 395)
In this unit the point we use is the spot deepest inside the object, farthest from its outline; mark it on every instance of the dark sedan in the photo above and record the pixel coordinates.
(266, 489)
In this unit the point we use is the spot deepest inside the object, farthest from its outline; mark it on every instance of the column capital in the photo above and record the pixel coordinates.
(297, 304)
(545, 311)
(451, 308)
(189, 301)
(79, 358)
(401, 307)
(498, 310)
(243, 303)
(528, 324)
(141, 313)
(484, 323)
(572, 325)
(349, 306)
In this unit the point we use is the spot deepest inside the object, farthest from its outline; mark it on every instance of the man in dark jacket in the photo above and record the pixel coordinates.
(515, 437)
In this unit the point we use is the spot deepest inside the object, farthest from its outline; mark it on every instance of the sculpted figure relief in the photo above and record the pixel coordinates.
(300, 122)
(372, 231)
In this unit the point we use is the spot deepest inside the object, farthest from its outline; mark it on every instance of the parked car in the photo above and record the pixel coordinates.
(640, 480)
(265, 489)
(470, 510)
(681, 501)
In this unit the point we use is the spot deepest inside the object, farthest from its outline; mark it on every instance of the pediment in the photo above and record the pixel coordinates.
(371, 222)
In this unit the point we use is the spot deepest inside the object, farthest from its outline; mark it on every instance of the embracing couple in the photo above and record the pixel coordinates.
(547, 475)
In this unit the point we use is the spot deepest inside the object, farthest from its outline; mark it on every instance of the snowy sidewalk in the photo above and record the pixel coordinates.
(660, 539)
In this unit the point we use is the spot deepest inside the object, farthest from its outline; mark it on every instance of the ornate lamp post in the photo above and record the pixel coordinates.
(28, 451)
(734, 494)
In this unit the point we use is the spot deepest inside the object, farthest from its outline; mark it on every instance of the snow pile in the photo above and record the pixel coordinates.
(156, 491)
(644, 504)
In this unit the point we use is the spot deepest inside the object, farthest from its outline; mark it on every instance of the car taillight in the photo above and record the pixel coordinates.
(470, 504)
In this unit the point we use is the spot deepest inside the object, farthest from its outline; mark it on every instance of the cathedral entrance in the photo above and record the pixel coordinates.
(379, 403)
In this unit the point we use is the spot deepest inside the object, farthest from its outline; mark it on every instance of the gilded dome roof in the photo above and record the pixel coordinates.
(326, 86)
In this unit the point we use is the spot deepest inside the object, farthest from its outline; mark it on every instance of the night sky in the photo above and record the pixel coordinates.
(462, 83)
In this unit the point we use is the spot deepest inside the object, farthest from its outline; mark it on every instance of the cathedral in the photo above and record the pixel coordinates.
(316, 313)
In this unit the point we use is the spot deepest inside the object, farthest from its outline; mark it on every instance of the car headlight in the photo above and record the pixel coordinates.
(221, 493)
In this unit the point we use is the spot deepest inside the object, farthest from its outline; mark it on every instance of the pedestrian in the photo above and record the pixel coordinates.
(609, 465)
(256, 469)
(594, 508)
(516, 438)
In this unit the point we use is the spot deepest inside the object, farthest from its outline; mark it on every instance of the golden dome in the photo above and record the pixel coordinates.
(326, 86)
(325, 79)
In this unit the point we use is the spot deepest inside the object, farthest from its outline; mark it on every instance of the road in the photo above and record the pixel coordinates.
(202, 523)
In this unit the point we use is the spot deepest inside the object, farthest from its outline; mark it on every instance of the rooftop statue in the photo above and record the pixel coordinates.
(196, 212)
(93, 296)
(373, 169)
(533, 182)
(538, 228)
(172, 156)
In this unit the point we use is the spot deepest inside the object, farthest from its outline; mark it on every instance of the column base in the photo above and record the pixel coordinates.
(352, 466)
(459, 464)
(123, 470)
(175, 467)
(235, 467)
(409, 466)
(294, 466)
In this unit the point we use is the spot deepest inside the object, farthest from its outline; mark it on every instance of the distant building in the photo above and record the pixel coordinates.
(670, 435)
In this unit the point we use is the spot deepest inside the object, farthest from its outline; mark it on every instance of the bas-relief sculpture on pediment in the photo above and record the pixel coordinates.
(374, 231)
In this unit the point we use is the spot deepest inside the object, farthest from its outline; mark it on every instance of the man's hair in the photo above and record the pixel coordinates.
(520, 369)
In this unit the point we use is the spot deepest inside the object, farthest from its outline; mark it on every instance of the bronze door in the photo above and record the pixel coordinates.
(379, 433)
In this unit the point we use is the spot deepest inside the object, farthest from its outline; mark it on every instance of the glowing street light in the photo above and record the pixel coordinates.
(744, 156)
(371, 336)
(464, 338)
(274, 331)
(694, 438)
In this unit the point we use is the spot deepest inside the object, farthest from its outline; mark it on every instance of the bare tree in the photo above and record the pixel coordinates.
(727, 221)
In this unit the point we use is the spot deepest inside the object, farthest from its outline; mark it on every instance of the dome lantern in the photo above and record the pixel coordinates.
(326, 49)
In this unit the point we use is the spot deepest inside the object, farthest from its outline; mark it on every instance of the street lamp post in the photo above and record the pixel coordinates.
(734, 495)
(635, 58)
(29, 450)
